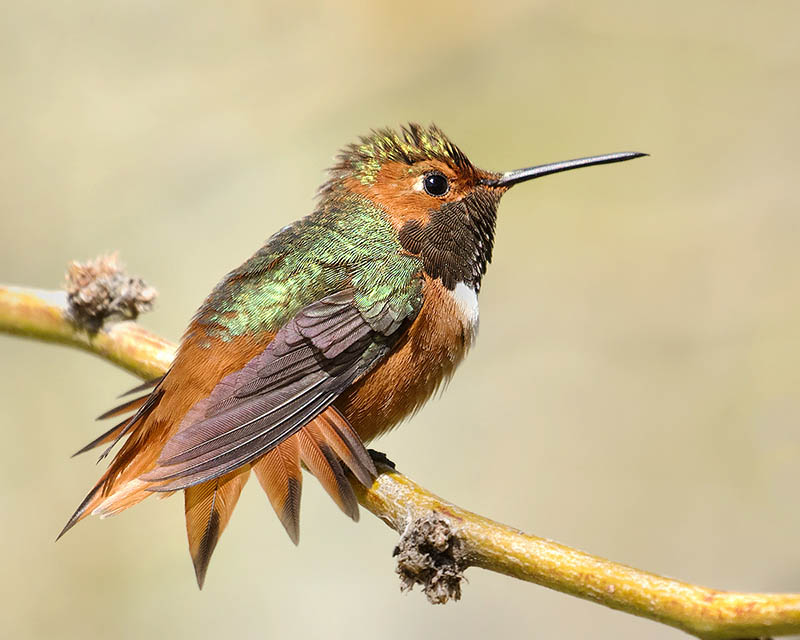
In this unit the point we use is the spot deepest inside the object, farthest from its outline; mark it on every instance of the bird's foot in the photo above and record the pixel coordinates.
(378, 457)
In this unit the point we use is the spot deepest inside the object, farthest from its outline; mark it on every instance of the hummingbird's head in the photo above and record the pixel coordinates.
(442, 206)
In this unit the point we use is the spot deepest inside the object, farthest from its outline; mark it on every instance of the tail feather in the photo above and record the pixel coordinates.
(145, 385)
(83, 508)
(150, 403)
(347, 445)
(103, 503)
(279, 474)
(112, 434)
(125, 407)
(123, 497)
(209, 507)
(321, 460)
(118, 430)
(328, 446)
(119, 488)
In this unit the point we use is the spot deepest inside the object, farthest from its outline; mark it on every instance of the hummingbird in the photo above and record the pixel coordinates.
(343, 324)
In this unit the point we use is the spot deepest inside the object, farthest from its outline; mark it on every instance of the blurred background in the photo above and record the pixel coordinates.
(633, 393)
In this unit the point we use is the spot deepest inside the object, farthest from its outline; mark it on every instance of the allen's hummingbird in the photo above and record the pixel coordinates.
(340, 326)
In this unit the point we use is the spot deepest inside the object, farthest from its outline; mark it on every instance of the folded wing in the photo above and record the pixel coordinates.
(312, 359)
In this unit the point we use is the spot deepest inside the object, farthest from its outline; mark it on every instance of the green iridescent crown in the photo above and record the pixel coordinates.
(412, 143)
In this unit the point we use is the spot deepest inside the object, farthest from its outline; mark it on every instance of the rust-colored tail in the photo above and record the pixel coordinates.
(209, 506)
(327, 445)
(279, 474)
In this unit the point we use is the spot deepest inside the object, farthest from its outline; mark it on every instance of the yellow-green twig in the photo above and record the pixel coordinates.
(400, 502)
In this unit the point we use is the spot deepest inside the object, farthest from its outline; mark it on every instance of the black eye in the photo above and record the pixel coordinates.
(435, 184)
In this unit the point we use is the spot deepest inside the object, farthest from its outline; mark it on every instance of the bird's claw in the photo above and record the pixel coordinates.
(378, 457)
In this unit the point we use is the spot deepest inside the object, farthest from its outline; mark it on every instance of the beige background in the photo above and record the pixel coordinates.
(634, 391)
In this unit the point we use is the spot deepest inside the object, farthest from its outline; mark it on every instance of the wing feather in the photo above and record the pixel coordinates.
(312, 359)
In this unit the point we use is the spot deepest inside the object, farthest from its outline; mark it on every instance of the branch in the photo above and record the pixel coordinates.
(438, 539)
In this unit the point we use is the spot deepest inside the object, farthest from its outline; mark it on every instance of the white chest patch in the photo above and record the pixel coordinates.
(466, 300)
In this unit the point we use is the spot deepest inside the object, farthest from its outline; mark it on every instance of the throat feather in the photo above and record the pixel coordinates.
(456, 243)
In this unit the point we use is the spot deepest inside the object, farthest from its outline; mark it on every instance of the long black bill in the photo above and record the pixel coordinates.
(510, 178)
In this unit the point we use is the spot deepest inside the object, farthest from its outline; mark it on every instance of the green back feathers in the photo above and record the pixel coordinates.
(346, 242)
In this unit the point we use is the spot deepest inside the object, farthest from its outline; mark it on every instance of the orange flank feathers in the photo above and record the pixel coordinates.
(426, 357)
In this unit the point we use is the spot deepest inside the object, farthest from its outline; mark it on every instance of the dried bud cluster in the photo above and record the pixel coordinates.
(430, 554)
(100, 288)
